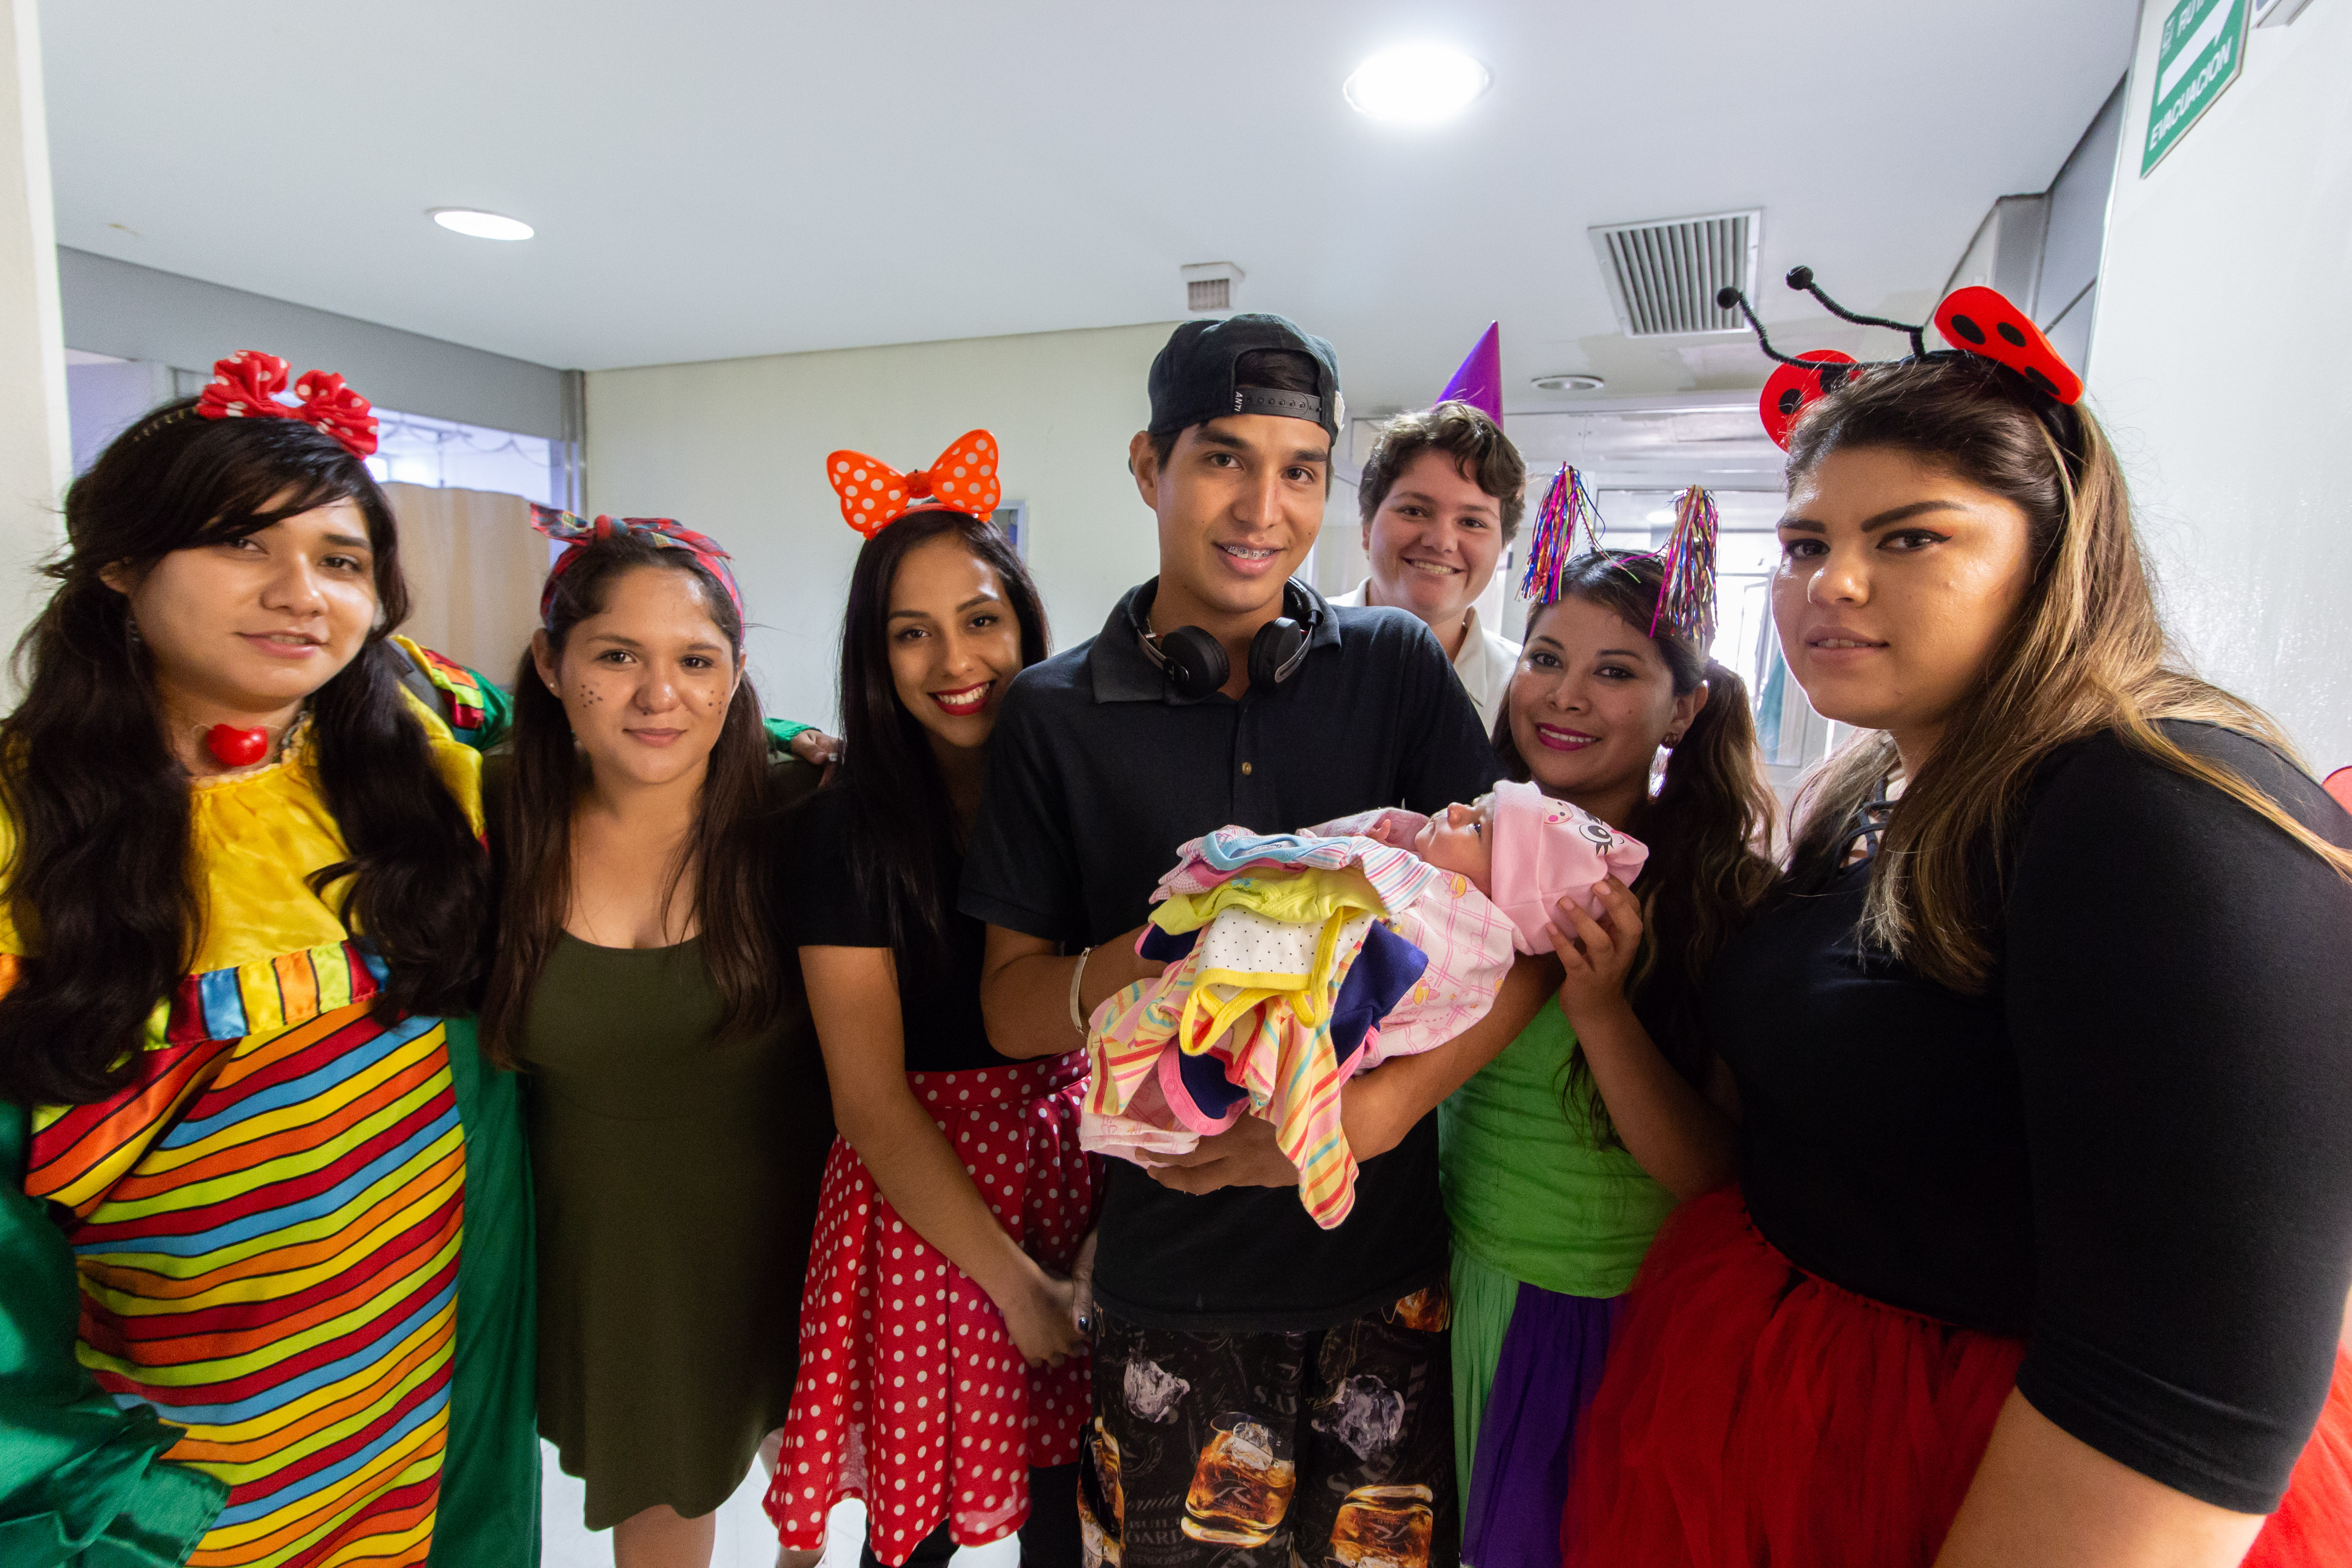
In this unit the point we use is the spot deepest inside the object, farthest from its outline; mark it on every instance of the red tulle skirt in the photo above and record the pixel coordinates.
(1744, 1421)
(911, 1395)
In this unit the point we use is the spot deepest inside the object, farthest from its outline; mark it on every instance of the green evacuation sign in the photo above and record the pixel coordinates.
(2202, 51)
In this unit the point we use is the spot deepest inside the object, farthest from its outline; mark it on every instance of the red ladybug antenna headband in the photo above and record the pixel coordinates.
(1980, 322)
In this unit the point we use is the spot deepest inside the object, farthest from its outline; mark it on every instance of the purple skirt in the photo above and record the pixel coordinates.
(1549, 1371)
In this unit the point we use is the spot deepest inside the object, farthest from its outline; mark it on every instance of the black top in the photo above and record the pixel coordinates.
(2134, 1151)
(939, 986)
(1096, 776)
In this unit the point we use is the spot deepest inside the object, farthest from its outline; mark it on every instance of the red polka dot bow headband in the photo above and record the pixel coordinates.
(1975, 321)
(576, 532)
(875, 495)
(246, 386)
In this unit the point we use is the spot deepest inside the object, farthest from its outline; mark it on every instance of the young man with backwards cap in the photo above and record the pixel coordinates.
(1259, 1383)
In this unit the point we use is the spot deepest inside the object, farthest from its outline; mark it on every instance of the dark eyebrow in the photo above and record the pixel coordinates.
(348, 541)
(1619, 653)
(1213, 436)
(1871, 525)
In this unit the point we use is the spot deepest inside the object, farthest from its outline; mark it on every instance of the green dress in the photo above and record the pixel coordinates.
(677, 1176)
(1530, 1199)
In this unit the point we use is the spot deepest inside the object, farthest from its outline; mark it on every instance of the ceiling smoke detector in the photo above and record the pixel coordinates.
(1664, 275)
(1210, 288)
(1569, 380)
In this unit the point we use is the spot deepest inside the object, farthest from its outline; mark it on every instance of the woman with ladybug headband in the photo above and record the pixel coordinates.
(264, 1258)
(942, 1374)
(2043, 1050)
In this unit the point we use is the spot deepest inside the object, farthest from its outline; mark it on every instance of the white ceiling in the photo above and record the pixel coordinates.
(715, 178)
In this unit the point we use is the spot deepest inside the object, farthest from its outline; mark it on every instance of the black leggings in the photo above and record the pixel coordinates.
(1049, 1539)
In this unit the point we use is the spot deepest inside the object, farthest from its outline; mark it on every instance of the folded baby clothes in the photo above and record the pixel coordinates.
(1299, 959)
(1257, 1050)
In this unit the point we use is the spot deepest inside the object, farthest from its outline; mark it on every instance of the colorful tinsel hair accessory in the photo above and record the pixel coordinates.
(1567, 507)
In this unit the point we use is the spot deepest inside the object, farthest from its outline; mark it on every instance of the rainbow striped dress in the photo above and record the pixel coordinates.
(265, 1225)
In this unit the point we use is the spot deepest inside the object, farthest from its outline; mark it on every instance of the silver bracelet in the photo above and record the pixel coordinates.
(1078, 973)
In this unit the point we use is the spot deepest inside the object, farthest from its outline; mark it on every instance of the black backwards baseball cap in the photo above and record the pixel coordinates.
(1192, 379)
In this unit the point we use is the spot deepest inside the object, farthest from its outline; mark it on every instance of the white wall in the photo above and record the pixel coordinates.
(736, 448)
(2219, 362)
(35, 450)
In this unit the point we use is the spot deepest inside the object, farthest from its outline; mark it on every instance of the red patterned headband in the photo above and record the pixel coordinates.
(576, 532)
(875, 495)
(246, 386)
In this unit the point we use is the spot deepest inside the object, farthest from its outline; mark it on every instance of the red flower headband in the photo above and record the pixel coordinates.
(875, 495)
(576, 531)
(246, 386)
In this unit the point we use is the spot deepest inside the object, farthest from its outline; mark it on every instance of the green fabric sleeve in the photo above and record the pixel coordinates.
(497, 714)
(489, 1478)
(82, 1481)
(780, 732)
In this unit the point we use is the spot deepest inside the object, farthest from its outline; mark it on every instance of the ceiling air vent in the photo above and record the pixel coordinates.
(1210, 288)
(1662, 275)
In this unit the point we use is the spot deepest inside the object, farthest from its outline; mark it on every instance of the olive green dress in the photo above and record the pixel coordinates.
(677, 1180)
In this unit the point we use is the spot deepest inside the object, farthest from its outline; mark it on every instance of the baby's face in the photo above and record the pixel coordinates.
(1455, 839)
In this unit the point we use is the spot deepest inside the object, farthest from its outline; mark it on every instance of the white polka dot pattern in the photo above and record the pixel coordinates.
(964, 480)
(911, 1395)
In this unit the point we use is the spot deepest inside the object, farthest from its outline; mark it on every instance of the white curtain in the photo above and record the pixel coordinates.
(474, 565)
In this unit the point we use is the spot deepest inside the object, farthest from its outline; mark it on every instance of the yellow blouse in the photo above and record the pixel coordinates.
(256, 836)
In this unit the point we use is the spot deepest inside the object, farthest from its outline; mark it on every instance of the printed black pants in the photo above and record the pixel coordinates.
(1239, 1449)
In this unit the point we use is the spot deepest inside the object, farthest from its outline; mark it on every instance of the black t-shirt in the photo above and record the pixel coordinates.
(1096, 776)
(939, 984)
(2134, 1151)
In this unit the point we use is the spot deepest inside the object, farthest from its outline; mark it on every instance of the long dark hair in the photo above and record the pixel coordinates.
(1709, 827)
(100, 886)
(726, 855)
(2086, 653)
(904, 822)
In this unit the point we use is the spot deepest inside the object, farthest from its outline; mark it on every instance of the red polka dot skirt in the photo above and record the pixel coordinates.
(911, 1395)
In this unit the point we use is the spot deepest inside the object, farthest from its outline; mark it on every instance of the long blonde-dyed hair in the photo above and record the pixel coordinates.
(2087, 653)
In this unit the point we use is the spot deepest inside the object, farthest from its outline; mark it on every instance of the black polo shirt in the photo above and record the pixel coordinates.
(1096, 775)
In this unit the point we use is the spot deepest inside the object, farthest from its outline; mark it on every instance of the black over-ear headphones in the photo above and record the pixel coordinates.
(1195, 662)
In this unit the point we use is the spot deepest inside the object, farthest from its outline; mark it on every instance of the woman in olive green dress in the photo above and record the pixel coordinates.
(678, 1114)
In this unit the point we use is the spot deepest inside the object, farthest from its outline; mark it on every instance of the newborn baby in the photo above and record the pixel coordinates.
(1299, 959)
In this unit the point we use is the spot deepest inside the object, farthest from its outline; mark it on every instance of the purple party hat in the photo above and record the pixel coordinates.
(1479, 381)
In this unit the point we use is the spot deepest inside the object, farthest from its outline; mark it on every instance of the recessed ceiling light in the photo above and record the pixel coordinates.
(481, 224)
(1570, 380)
(1417, 84)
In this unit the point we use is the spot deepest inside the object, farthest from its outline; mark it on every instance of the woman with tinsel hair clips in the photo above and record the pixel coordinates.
(266, 1283)
(2044, 1049)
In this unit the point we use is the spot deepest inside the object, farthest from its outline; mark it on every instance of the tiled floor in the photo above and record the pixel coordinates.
(745, 1537)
